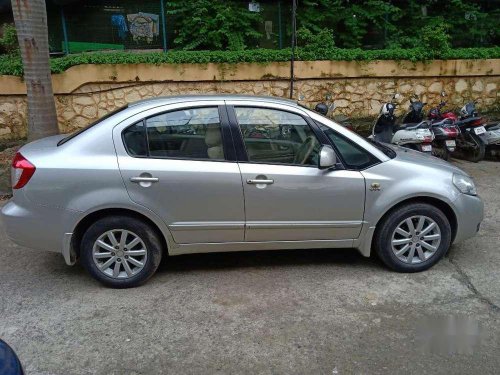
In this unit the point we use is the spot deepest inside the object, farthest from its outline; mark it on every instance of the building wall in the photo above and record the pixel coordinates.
(86, 92)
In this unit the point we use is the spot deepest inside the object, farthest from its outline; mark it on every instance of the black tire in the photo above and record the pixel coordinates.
(147, 234)
(475, 154)
(440, 150)
(385, 229)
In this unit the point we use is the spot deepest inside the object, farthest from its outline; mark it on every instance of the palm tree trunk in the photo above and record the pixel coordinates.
(30, 18)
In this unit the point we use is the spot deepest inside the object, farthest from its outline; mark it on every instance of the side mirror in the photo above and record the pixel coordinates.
(321, 108)
(327, 157)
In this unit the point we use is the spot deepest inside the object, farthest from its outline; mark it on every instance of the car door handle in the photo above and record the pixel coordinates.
(144, 179)
(257, 181)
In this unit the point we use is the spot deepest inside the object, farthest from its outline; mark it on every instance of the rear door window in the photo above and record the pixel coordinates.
(193, 133)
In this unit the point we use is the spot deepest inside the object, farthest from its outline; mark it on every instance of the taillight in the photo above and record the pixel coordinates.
(478, 122)
(451, 132)
(22, 170)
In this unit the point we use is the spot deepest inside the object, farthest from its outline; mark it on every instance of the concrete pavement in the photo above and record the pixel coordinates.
(284, 312)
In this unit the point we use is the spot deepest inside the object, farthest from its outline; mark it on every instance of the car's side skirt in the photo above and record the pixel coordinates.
(251, 246)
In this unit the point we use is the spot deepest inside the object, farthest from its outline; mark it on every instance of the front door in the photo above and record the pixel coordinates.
(287, 197)
(175, 163)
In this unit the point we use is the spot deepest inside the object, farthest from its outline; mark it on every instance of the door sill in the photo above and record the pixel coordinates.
(194, 248)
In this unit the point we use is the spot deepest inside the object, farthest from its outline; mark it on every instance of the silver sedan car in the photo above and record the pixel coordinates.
(198, 174)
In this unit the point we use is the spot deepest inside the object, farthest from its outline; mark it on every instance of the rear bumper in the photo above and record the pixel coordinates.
(36, 226)
(470, 214)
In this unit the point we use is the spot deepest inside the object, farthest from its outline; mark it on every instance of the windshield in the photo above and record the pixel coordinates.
(385, 149)
(80, 131)
(389, 152)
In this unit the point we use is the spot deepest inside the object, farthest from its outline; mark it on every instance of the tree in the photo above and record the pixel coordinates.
(352, 21)
(30, 18)
(214, 24)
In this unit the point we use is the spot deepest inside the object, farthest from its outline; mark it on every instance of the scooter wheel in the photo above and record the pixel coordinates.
(477, 152)
(441, 152)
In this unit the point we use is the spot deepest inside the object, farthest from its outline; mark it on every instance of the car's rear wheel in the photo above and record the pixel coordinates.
(413, 237)
(121, 251)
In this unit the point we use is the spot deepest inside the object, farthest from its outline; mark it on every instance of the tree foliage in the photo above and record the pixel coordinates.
(401, 23)
(229, 25)
(351, 20)
(8, 42)
(213, 24)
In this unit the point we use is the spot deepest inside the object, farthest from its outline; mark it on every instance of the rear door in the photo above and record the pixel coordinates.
(287, 197)
(178, 161)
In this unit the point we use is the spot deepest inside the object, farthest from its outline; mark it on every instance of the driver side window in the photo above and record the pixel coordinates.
(277, 137)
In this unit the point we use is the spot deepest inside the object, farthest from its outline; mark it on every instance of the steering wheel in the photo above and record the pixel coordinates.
(305, 150)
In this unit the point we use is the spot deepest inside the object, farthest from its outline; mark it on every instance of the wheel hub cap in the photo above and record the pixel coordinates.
(416, 239)
(119, 254)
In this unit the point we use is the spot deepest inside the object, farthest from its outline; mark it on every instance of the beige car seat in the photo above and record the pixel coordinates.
(213, 140)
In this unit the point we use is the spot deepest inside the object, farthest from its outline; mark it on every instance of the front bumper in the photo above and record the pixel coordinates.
(470, 213)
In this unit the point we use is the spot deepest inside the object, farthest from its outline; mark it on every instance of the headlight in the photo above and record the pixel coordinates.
(464, 184)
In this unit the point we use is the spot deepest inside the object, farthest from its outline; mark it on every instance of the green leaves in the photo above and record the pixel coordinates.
(214, 24)
(8, 43)
(436, 37)
(381, 23)
(352, 20)
(12, 65)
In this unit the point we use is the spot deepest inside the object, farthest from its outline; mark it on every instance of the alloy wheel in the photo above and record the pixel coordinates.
(119, 254)
(416, 239)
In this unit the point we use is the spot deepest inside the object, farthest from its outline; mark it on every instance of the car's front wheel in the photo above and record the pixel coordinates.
(413, 237)
(121, 251)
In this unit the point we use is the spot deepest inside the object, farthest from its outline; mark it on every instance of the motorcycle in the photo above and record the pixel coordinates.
(471, 141)
(445, 138)
(416, 136)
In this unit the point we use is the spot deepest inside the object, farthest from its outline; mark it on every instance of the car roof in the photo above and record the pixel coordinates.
(189, 98)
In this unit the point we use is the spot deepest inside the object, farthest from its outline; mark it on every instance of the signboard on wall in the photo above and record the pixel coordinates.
(254, 6)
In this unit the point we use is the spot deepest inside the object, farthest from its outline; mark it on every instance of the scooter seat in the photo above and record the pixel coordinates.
(494, 126)
(411, 126)
(445, 123)
(468, 120)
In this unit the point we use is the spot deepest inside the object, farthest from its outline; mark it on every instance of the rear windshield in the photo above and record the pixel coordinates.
(80, 131)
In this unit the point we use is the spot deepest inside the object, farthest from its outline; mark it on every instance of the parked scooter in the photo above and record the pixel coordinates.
(415, 111)
(416, 136)
(472, 140)
(445, 133)
(493, 138)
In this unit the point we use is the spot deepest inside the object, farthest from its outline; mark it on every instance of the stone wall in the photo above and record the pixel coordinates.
(85, 93)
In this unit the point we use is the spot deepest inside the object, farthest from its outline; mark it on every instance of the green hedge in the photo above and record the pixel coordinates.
(12, 65)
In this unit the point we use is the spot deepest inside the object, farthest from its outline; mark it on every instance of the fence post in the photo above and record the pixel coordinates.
(294, 32)
(65, 31)
(279, 26)
(164, 25)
